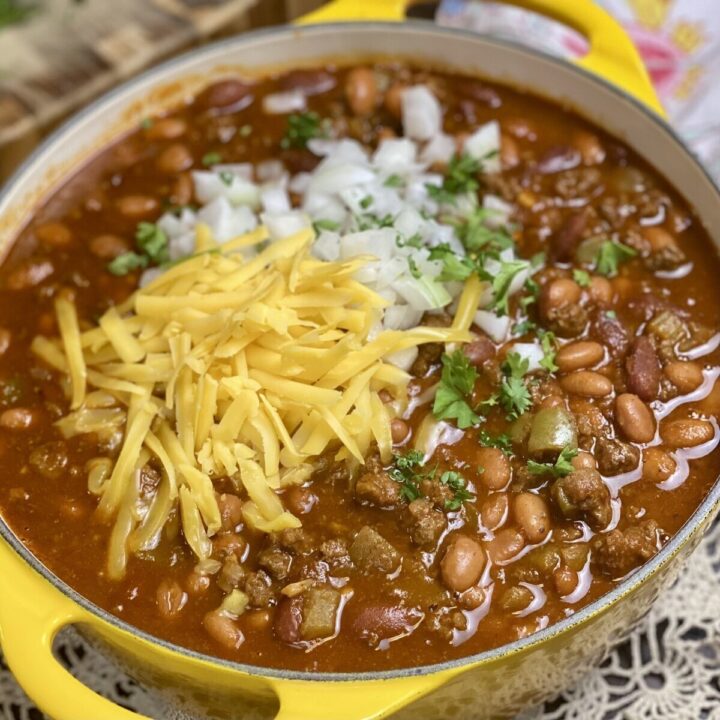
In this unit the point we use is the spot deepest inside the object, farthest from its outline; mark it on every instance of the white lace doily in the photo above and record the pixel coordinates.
(669, 669)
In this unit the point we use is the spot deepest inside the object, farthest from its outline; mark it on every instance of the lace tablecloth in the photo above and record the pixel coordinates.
(669, 669)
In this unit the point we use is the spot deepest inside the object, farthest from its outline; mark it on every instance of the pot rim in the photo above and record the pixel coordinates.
(709, 506)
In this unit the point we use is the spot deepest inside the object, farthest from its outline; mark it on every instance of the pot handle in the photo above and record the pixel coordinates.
(32, 612)
(612, 55)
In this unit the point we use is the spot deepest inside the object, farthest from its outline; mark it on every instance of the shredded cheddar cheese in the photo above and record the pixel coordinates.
(227, 366)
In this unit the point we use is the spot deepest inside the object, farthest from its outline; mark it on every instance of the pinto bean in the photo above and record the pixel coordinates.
(300, 500)
(562, 291)
(174, 159)
(494, 510)
(505, 545)
(685, 376)
(659, 239)
(462, 564)
(589, 146)
(509, 152)
(587, 384)
(54, 234)
(583, 460)
(393, 100)
(635, 418)
(137, 206)
(565, 581)
(182, 190)
(658, 465)
(532, 515)
(197, 583)
(230, 510)
(579, 355)
(19, 418)
(227, 95)
(170, 598)
(29, 274)
(677, 433)
(5, 340)
(108, 247)
(495, 465)
(643, 369)
(229, 543)
(223, 629)
(257, 619)
(361, 91)
(399, 430)
(600, 290)
(169, 128)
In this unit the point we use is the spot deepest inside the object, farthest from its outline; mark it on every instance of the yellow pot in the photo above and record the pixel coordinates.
(35, 605)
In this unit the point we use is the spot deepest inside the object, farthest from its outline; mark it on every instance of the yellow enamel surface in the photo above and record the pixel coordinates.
(612, 54)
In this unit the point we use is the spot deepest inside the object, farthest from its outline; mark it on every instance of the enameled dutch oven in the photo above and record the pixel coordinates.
(610, 87)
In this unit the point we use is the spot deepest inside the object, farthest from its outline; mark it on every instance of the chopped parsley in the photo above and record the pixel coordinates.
(152, 241)
(457, 382)
(502, 282)
(501, 442)
(245, 130)
(227, 177)
(394, 181)
(562, 466)
(461, 177)
(582, 278)
(366, 202)
(370, 221)
(414, 269)
(611, 314)
(476, 235)
(413, 241)
(301, 128)
(610, 254)
(523, 327)
(455, 267)
(457, 483)
(146, 123)
(126, 263)
(514, 397)
(320, 225)
(547, 339)
(404, 471)
(211, 158)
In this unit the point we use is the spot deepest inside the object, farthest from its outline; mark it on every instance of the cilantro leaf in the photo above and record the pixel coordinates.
(414, 270)
(301, 128)
(152, 241)
(475, 234)
(126, 263)
(514, 396)
(502, 441)
(515, 365)
(610, 254)
(461, 177)
(547, 340)
(457, 483)
(394, 181)
(502, 282)
(562, 466)
(320, 225)
(404, 471)
(457, 382)
(211, 158)
(523, 327)
(581, 277)
(455, 267)
(413, 241)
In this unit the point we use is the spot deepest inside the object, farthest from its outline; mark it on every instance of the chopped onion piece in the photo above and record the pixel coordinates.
(484, 145)
(421, 113)
(284, 102)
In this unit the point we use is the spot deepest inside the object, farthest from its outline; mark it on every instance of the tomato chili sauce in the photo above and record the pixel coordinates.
(543, 487)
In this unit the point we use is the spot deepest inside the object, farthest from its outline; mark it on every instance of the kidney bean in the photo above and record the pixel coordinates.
(300, 500)
(462, 563)
(587, 383)
(288, 618)
(564, 242)
(311, 82)
(612, 333)
(635, 418)
(643, 369)
(108, 247)
(170, 598)
(174, 159)
(685, 376)
(600, 290)
(680, 433)
(583, 460)
(399, 430)
(658, 465)
(495, 465)
(223, 629)
(565, 581)
(479, 351)
(257, 619)
(532, 515)
(509, 152)
(493, 511)
(478, 91)
(18, 418)
(230, 510)
(361, 91)
(505, 545)
(579, 355)
(393, 100)
(384, 621)
(227, 95)
(589, 146)
(5, 340)
(558, 159)
(137, 206)
(54, 234)
(169, 128)
(29, 274)
(197, 583)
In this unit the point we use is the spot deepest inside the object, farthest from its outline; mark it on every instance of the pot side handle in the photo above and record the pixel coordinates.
(32, 612)
(612, 55)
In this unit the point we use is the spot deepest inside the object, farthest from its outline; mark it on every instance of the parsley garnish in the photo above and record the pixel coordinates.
(454, 266)
(301, 128)
(523, 327)
(394, 181)
(611, 314)
(126, 263)
(562, 467)
(501, 283)
(245, 130)
(227, 177)
(413, 241)
(456, 482)
(502, 442)
(610, 254)
(369, 221)
(146, 123)
(366, 202)
(456, 384)
(581, 277)
(152, 241)
(404, 472)
(547, 340)
(460, 178)
(414, 270)
(320, 225)
(514, 396)
(476, 235)
(211, 158)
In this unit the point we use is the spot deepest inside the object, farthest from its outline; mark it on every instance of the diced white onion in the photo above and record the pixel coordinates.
(284, 102)
(484, 145)
(495, 326)
(532, 352)
(421, 113)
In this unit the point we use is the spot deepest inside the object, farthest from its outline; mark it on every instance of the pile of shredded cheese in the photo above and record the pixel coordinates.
(231, 365)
